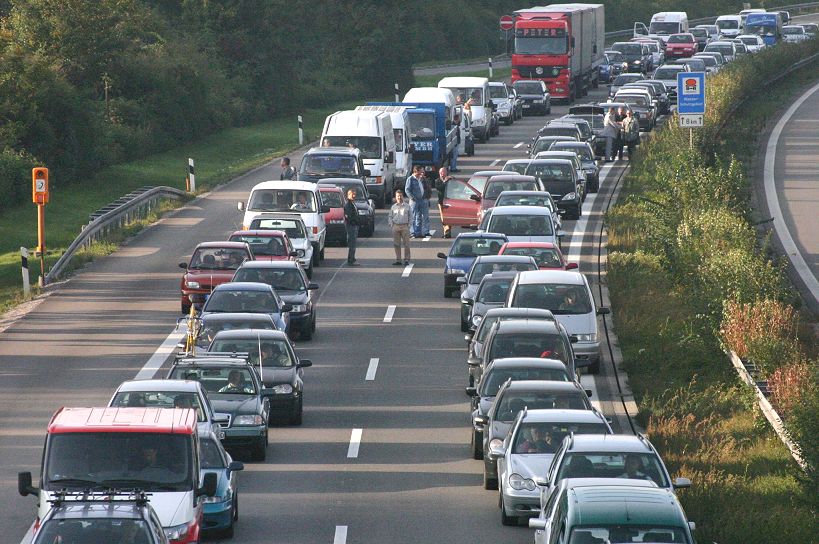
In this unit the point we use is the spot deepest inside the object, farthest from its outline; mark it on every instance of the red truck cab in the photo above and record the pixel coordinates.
(211, 264)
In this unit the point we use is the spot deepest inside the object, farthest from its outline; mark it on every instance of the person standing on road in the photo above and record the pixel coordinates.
(427, 186)
(453, 159)
(443, 182)
(415, 192)
(631, 133)
(398, 220)
(621, 137)
(351, 226)
(610, 130)
(288, 172)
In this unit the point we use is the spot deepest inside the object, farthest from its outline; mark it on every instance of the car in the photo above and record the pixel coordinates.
(222, 510)
(794, 34)
(528, 451)
(694, 63)
(484, 265)
(212, 324)
(363, 201)
(728, 50)
(711, 64)
(112, 516)
(606, 456)
(517, 103)
(701, 36)
(680, 46)
(811, 29)
(568, 296)
(656, 93)
(621, 80)
(290, 282)
(569, 156)
(513, 397)
(667, 74)
(716, 55)
(635, 55)
(612, 65)
(655, 47)
(547, 255)
(509, 182)
(267, 245)
(753, 43)
(281, 371)
(170, 394)
(530, 198)
(535, 96)
(332, 162)
(594, 115)
(504, 102)
(559, 178)
(592, 510)
(713, 31)
(249, 298)
(740, 47)
(588, 163)
(641, 104)
(333, 198)
(516, 166)
(210, 265)
(499, 372)
(293, 225)
(491, 294)
(233, 388)
(462, 199)
(467, 247)
(540, 336)
(544, 143)
(560, 128)
(522, 224)
(587, 134)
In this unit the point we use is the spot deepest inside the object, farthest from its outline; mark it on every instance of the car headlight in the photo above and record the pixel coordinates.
(300, 253)
(479, 121)
(192, 284)
(476, 320)
(518, 482)
(282, 389)
(248, 420)
(177, 532)
(495, 443)
(299, 308)
(454, 271)
(363, 212)
(570, 196)
(587, 337)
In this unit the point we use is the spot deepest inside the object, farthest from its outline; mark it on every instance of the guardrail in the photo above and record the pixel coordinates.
(139, 206)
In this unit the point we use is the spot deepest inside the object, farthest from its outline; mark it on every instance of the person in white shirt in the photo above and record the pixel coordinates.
(399, 220)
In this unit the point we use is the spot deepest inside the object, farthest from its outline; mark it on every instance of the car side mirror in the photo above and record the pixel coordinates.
(326, 209)
(480, 420)
(460, 280)
(304, 363)
(471, 391)
(240, 206)
(287, 307)
(537, 523)
(682, 483)
(236, 466)
(692, 526)
(476, 198)
(542, 482)
(603, 311)
(366, 172)
(294, 253)
(496, 453)
(208, 488)
(24, 485)
(312, 286)
(183, 265)
(561, 234)
(571, 266)
(442, 255)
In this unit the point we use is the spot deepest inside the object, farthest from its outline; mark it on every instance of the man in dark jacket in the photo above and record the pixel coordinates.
(288, 172)
(351, 226)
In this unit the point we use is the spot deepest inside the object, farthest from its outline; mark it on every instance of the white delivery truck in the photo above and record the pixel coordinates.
(730, 26)
(474, 93)
(400, 129)
(663, 24)
(372, 133)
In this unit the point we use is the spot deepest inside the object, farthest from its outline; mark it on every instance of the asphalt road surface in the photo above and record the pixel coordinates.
(409, 477)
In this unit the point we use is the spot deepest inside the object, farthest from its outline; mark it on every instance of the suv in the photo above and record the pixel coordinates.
(504, 102)
(212, 264)
(535, 96)
(293, 225)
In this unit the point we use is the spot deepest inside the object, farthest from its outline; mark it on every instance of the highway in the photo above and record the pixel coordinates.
(384, 450)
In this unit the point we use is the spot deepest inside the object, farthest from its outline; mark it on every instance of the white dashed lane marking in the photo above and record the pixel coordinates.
(355, 443)
(341, 535)
(407, 271)
(390, 313)
(372, 369)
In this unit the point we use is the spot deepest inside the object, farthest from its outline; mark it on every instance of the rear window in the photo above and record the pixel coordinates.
(510, 404)
(523, 200)
(218, 258)
(528, 345)
(482, 269)
(493, 381)
(567, 299)
(475, 247)
(159, 399)
(263, 245)
(559, 131)
(521, 225)
(494, 188)
(293, 228)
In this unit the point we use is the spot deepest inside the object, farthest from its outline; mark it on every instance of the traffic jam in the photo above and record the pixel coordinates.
(161, 462)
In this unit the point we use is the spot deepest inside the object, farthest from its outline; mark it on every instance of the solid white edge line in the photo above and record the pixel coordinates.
(495, 162)
(390, 313)
(518, 145)
(579, 232)
(355, 443)
(341, 535)
(772, 198)
(372, 369)
(407, 270)
(160, 355)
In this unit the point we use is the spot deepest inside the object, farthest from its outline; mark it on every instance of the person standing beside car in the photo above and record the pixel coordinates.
(610, 130)
(288, 172)
(398, 220)
(443, 182)
(351, 222)
(631, 133)
(415, 192)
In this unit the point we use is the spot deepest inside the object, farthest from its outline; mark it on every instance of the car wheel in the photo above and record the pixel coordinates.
(297, 415)
(485, 137)
(321, 254)
(477, 445)
(447, 292)
(228, 533)
(549, 110)
(489, 483)
(307, 333)
(506, 520)
(464, 325)
(236, 507)
(594, 368)
(259, 451)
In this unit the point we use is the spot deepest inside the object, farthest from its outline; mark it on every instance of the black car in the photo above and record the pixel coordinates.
(332, 162)
(559, 179)
(281, 371)
(635, 54)
(210, 326)
(363, 201)
(535, 96)
(594, 115)
(290, 282)
(623, 79)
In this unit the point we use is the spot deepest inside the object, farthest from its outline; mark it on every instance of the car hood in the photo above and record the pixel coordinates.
(461, 263)
(530, 465)
(272, 375)
(500, 429)
(293, 297)
(172, 508)
(578, 324)
(234, 404)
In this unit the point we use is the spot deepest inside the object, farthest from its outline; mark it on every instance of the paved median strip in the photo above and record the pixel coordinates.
(372, 369)
(389, 314)
(341, 535)
(355, 443)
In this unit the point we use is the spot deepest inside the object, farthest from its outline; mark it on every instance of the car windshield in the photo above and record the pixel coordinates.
(280, 279)
(528, 87)
(681, 38)
(571, 132)
(641, 466)
(528, 345)
(697, 32)
(102, 529)
(147, 461)
(748, 41)
(159, 399)
(493, 292)
(370, 146)
(228, 380)
(475, 247)
(548, 172)
(521, 225)
(517, 167)
(543, 144)
(628, 49)
(217, 258)
(421, 126)
(559, 188)
(622, 534)
(210, 327)
(539, 45)
(357, 188)
(241, 301)
(728, 24)
(523, 200)
(498, 91)
(283, 200)
(494, 188)
(294, 228)
(657, 27)
(209, 455)
(545, 437)
(668, 72)
(615, 57)
(492, 382)
(482, 269)
(654, 47)
(560, 298)
(273, 353)
(545, 257)
(332, 199)
(272, 246)
(508, 406)
(475, 94)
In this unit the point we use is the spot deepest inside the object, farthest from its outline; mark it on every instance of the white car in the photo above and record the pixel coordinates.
(522, 224)
(504, 102)
(517, 166)
(794, 34)
(753, 43)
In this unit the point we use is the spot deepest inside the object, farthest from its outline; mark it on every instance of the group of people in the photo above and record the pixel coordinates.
(620, 129)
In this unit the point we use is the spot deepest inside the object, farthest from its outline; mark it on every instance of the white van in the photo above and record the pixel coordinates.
(476, 90)
(400, 129)
(371, 132)
(301, 197)
(663, 24)
(730, 26)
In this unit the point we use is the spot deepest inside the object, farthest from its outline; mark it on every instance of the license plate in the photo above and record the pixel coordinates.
(527, 106)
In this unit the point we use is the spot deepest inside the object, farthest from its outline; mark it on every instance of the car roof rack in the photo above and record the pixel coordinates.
(184, 358)
(107, 496)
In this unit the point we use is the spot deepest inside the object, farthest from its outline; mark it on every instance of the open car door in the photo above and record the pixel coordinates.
(461, 204)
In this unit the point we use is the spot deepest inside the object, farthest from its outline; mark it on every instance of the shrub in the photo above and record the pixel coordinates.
(789, 385)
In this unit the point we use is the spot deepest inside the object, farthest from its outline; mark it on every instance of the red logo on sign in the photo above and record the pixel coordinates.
(691, 84)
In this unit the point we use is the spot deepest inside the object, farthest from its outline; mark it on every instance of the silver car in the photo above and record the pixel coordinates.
(518, 166)
(487, 264)
(522, 223)
(528, 451)
(504, 102)
(491, 293)
(530, 198)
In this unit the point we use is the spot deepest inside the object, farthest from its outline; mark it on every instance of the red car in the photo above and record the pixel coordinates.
(212, 264)
(333, 197)
(267, 245)
(681, 46)
(547, 255)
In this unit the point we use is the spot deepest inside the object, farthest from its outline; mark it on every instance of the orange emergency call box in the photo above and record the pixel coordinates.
(39, 185)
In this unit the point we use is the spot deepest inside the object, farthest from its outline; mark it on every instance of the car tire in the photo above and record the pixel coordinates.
(447, 292)
(321, 254)
(236, 507)
(307, 333)
(229, 531)
(505, 519)
(594, 368)
(464, 325)
(485, 137)
(259, 450)
(549, 110)
(297, 417)
(477, 445)
(489, 484)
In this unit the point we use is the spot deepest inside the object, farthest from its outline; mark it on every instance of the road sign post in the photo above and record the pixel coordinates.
(39, 195)
(691, 101)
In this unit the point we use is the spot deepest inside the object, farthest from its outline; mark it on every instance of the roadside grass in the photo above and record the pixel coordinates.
(432, 80)
(434, 63)
(706, 425)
